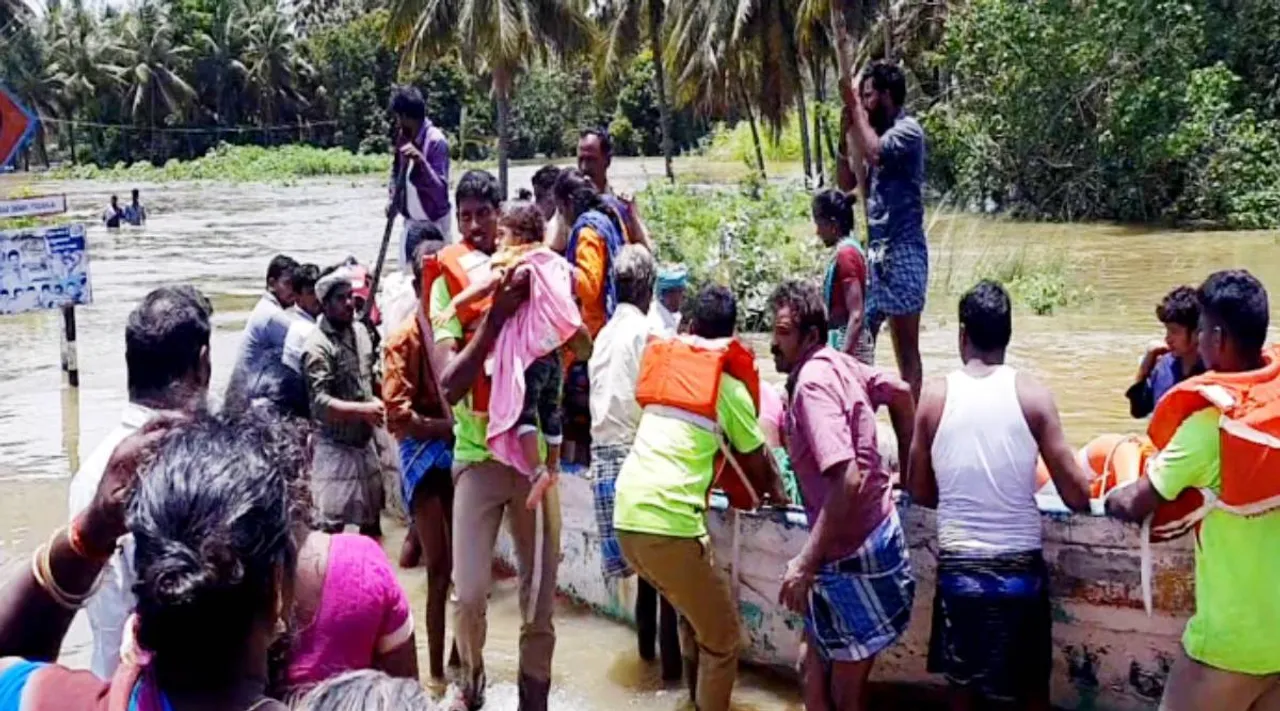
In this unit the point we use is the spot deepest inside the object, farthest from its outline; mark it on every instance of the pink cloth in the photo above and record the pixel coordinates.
(832, 419)
(542, 324)
(363, 612)
(771, 406)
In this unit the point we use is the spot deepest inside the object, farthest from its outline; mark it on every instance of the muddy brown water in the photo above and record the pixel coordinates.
(219, 237)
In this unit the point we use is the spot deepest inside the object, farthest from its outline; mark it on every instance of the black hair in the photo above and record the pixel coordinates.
(1235, 300)
(408, 101)
(478, 185)
(281, 266)
(366, 690)
(524, 195)
(715, 312)
(420, 252)
(14, 253)
(419, 232)
(213, 523)
(305, 277)
(887, 76)
(606, 141)
(134, 192)
(44, 287)
(836, 206)
(5, 292)
(1179, 307)
(574, 187)
(544, 181)
(986, 314)
(804, 300)
(163, 338)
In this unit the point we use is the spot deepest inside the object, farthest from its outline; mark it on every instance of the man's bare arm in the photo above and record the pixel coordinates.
(1133, 502)
(853, 303)
(902, 415)
(919, 479)
(1042, 417)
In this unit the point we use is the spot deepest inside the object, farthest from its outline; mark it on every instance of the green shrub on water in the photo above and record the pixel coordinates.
(240, 164)
(751, 239)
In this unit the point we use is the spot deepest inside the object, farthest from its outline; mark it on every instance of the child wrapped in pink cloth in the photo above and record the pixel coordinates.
(526, 368)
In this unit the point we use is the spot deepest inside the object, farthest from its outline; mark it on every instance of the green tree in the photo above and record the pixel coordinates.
(220, 64)
(356, 70)
(626, 22)
(150, 61)
(26, 70)
(498, 39)
(276, 69)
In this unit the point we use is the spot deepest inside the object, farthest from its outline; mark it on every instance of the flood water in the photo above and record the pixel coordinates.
(220, 237)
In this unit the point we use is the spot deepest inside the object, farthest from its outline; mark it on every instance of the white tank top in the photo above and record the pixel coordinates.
(984, 457)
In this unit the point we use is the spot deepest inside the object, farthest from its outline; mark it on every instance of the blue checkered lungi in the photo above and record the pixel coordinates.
(861, 604)
(899, 279)
(417, 457)
(606, 462)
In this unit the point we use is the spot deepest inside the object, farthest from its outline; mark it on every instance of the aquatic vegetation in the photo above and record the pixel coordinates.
(750, 238)
(239, 164)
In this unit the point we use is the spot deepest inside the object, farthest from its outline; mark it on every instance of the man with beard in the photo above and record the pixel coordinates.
(893, 146)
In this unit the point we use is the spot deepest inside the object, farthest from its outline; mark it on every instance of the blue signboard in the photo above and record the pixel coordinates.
(43, 268)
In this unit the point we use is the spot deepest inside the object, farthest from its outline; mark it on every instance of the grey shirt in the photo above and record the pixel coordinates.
(340, 365)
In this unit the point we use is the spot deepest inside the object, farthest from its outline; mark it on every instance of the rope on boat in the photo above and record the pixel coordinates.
(1146, 563)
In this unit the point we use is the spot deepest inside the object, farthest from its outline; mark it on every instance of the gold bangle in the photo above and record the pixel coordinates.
(43, 570)
(50, 589)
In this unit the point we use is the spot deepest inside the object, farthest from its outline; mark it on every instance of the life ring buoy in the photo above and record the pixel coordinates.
(1111, 460)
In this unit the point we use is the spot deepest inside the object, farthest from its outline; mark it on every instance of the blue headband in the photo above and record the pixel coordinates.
(672, 277)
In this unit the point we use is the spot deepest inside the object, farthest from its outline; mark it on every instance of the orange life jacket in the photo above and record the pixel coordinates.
(1249, 429)
(460, 264)
(680, 376)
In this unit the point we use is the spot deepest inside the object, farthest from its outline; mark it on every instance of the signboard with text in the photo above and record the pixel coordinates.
(33, 206)
(43, 268)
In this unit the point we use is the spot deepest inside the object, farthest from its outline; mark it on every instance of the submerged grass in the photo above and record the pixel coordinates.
(238, 164)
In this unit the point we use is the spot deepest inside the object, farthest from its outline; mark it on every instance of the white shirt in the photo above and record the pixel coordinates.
(295, 339)
(111, 606)
(614, 368)
(984, 457)
(662, 322)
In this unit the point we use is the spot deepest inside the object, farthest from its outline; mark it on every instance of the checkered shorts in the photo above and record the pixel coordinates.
(606, 462)
(899, 280)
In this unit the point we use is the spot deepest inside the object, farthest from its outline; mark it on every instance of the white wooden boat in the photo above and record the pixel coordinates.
(1108, 653)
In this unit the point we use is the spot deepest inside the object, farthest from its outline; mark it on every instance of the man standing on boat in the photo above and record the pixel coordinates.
(852, 581)
(485, 488)
(661, 492)
(979, 433)
(1217, 438)
(892, 144)
(421, 164)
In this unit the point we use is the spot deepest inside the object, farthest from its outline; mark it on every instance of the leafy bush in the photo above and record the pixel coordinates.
(749, 239)
(239, 164)
(1113, 109)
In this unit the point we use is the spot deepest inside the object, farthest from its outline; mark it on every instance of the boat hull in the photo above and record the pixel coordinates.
(1108, 653)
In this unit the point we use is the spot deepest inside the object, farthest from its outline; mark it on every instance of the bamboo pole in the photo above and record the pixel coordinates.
(853, 151)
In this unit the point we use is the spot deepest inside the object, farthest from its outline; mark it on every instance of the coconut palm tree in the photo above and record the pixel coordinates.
(626, 21)
(81, 59)
(150, 58)
(713, 73)
(222, 51)
(274, 63)
(495, 37)
(14, 14)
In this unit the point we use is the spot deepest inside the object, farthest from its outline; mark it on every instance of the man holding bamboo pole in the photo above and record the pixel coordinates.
(892, 147)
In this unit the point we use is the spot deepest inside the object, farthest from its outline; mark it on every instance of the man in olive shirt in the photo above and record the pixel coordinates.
(342, 374)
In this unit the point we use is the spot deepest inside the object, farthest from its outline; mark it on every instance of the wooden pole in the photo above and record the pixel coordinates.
(386, 239)
(70, 364)
(844, 58)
